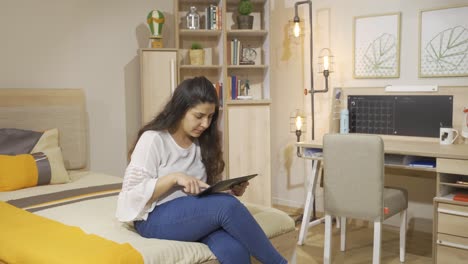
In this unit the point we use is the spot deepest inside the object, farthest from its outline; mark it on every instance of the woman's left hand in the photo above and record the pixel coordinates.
(239, 189)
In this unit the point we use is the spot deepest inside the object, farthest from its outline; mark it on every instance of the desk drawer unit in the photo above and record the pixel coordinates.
(452, 166)
(452, 219)
(451, 233)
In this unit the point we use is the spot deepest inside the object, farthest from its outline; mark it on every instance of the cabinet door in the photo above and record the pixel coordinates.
(158, 80)
(249, 149)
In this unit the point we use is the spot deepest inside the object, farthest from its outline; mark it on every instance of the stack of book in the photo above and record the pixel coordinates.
(239, 89)
(213, 17)
(234, 52)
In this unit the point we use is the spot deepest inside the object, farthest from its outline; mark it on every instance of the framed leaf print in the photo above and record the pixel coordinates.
(377, 46)
(443, 42)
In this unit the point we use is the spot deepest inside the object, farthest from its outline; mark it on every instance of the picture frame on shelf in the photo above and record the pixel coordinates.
(250, 56)
(244, 89)
(443, 42)
(376, 46)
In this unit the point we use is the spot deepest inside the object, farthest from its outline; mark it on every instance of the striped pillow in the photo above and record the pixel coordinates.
(30, 158)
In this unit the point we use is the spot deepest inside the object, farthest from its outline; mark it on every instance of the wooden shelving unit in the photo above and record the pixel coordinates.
(244, 142)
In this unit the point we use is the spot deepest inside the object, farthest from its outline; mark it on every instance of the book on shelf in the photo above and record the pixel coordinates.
(239, 88)
(461, 196)
(235, 55)
(219, 91)
(423, 163)
(213, 17)
(419, 162)
(462, 182)
(232, 87)
(313, 152)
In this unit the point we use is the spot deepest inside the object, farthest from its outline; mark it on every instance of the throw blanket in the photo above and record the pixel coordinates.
(29, 238)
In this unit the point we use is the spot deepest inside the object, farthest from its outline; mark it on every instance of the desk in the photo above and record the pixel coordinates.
(450, 159)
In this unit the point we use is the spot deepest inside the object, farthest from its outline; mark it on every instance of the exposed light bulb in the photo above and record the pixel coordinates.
(298, 123)
(325, 63)
(297, 29)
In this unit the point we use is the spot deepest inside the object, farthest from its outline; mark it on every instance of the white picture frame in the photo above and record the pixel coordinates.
(376, 46)
(443, 42)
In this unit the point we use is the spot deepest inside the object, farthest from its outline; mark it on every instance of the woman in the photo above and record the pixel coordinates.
(175, 156)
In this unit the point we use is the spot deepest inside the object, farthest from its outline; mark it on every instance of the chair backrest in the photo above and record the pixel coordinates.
(353, 175)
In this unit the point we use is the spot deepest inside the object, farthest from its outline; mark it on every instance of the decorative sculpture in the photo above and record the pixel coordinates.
(155, 20)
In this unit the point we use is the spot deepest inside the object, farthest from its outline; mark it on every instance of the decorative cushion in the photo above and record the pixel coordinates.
(43, 165)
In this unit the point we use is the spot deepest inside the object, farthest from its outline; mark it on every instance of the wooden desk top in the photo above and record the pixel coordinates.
(403, 147)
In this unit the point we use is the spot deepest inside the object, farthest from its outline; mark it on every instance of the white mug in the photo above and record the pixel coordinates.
(447, 135)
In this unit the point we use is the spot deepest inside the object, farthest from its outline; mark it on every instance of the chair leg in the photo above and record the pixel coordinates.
(328, 239)
(403, 224)
(343, 233)
(377, 242)
(337, 222)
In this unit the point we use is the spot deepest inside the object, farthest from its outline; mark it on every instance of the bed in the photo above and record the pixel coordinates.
(73, 221)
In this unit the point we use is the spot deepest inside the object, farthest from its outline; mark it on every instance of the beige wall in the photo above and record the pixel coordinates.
(82, 44)
(288, 82)
(93, 45)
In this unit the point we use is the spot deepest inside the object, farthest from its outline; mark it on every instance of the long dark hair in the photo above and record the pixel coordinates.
(187, 95)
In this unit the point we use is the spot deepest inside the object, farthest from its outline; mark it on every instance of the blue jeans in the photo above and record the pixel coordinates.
(220, 221)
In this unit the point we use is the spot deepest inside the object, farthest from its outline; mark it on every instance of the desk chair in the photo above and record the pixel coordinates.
(354, 187)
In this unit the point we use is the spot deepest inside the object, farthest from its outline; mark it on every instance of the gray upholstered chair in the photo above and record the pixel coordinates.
(354, 187)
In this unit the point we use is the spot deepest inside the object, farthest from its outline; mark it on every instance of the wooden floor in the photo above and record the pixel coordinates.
(359, 240)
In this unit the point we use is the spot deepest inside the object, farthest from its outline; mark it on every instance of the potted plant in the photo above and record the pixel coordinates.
(244, 19)
(197, 54)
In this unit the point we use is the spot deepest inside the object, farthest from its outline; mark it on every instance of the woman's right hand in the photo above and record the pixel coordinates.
(191, 184)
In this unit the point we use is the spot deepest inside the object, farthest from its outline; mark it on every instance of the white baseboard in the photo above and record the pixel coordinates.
(296, 204)
(289, 203)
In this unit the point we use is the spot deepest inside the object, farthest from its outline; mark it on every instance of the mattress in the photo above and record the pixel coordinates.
(91, 206)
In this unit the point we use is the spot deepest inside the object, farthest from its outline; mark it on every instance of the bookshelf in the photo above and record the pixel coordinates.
(245, 123)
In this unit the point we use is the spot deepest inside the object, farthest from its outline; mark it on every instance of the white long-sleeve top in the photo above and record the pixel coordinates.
(156, 155)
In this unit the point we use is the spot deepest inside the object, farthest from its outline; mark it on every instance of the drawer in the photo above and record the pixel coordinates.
(452, 166)
(452, 219)
(447, 254)
(453, 241)
(456, 208)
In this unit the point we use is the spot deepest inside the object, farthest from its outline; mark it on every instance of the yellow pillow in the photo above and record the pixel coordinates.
(17, 172)
(43, 165)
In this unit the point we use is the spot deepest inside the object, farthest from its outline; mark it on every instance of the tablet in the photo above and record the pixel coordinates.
(225, 185)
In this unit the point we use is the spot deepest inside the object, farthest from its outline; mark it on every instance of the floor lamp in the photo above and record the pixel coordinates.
(324, 68)
(326, 62)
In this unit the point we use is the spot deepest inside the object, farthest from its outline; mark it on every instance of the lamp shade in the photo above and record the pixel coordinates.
(297, 121)
(325, 61)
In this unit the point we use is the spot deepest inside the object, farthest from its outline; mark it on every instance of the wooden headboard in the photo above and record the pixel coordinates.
(42, 109)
